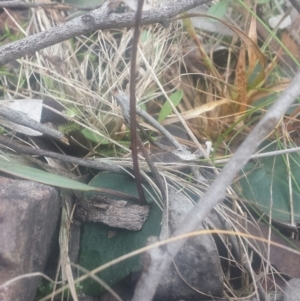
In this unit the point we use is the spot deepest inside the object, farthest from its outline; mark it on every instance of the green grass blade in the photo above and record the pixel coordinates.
(166, 109)
(41, 176)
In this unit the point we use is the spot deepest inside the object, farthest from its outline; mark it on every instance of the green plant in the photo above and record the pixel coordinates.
(166, 109)
(98, 247)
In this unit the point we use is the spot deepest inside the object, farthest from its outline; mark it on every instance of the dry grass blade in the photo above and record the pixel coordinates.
(196, 112)
(206, 59)
(67, 274)
(246, 39)
(252, 33)
(241, 81)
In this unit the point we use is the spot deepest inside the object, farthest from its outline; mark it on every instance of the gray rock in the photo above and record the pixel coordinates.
(197, 263)
(292, 290)
(29, 216)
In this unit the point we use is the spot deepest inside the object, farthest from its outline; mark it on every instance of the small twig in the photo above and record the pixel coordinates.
(83, 162)
(22, 119)
(264, 155)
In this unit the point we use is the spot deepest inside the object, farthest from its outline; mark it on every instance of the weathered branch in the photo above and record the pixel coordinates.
(49, 5)
(100, 18)
(21, 118)
(162, 257)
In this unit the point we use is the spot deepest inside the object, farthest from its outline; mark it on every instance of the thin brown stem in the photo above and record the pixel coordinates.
(133, 122)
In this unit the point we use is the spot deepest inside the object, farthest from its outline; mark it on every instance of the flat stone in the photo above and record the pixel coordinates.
(29, 217)
(196, 271)
(292, 290)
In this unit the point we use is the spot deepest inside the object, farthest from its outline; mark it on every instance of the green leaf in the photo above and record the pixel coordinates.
(143, 106)
(94, 137)
(41, 176)
(166, 109)
(72, 112)
(145, 36)
(267, 185)
(68, 128)
(98, 247)
(219, 9)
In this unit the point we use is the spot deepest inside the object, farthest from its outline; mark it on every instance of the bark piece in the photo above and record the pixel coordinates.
(29, 216)
(114, 213)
